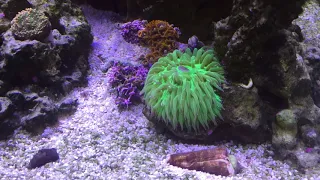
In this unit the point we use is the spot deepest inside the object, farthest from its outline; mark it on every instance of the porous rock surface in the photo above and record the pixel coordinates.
(259, 41)
(36, 73)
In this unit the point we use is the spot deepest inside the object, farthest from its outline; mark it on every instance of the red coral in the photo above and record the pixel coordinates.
(161, 37)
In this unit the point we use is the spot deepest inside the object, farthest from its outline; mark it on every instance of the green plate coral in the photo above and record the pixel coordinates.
(181, 89)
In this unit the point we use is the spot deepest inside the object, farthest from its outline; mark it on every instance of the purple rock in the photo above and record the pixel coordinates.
(129, 30)
(43, 157)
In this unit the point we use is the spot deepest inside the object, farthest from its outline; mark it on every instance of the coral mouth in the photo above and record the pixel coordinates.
(183, 69)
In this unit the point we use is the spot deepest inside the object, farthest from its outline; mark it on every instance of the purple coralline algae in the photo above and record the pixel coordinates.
(194, 42)
(129, 30)
(127, 80)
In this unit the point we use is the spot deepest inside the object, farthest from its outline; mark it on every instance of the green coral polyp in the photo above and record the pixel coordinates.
(181, 89)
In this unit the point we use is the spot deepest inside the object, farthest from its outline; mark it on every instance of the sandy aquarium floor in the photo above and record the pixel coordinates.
(99, 142)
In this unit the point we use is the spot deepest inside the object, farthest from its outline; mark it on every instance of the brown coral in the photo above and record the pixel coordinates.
(30, 24)
(161, 37)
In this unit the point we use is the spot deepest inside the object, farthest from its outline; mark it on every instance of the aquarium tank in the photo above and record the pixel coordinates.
(159, 90)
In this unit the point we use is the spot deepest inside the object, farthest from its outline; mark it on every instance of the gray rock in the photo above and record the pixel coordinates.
(8, 126)
(42, 157)
(68, 105)
(194, 42)
(307, 160)
(17, 98)
(285, 130)
(312, 56)
(37, 56)
(12, 7)
(4, 25)
(6, 108)
(312, 53)
(310, 135)
(3, 87)
(244, 109)
(31, 97)
(267, 48)
(62, 40)
(43, 113)
(37, 74)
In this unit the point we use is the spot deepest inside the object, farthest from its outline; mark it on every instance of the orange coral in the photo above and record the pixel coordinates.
(161, 37)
